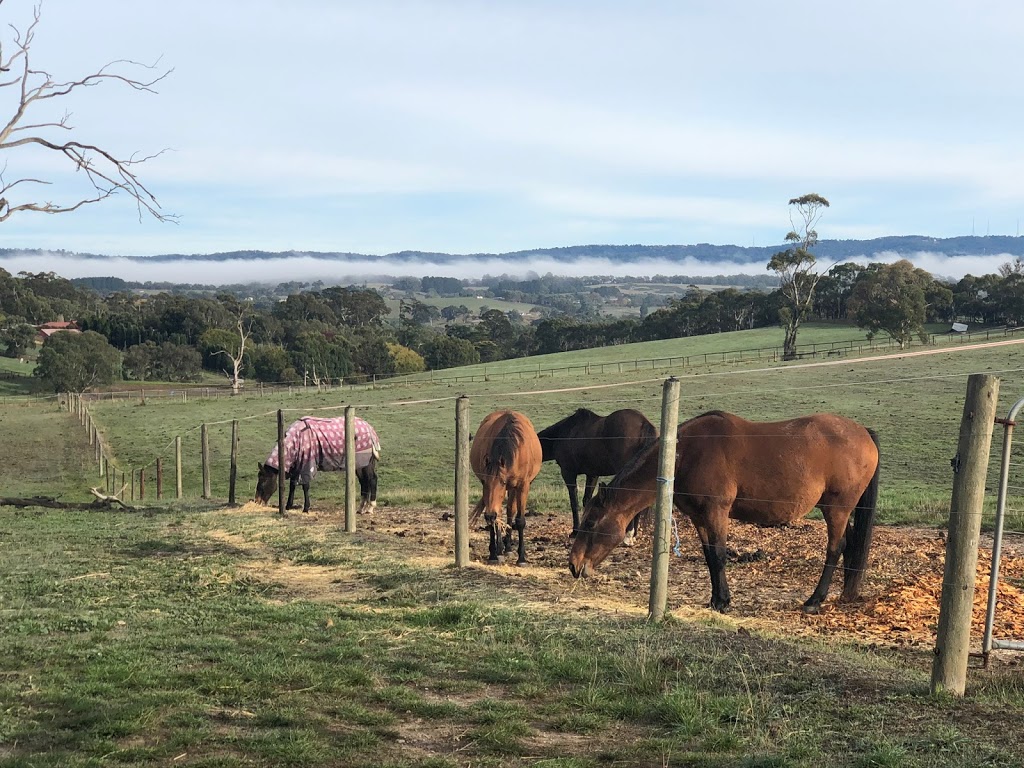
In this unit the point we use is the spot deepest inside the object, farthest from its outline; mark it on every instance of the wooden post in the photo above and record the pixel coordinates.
(103, 464)
(132, 497)
(952, 642)
(350, 469)
(204, 437)
(462, 482)
(663, 509)
(159, 477)
(233, 474)
(280, 462)
(177, 467)
(142, 483)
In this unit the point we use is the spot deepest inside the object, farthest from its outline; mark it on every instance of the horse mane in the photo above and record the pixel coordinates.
(508, 439)
(635, 464)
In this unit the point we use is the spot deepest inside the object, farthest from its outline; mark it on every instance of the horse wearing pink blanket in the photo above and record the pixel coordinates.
(312, 445)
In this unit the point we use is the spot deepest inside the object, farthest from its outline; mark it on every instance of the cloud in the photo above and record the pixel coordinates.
(309, 268)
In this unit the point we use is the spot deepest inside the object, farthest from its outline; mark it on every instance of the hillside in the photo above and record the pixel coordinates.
(741, 256)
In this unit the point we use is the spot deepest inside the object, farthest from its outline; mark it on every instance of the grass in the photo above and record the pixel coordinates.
(144, 640)
(196, 635)
(914, 403)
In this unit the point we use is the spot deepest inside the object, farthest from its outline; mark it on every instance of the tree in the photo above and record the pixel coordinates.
(406, 360)
(357, 307)
(236, 352)
(447, 352)
(796, 267)
(17, 339)
(891, 298)
(76, 362)
(30, 93)
(374, 358)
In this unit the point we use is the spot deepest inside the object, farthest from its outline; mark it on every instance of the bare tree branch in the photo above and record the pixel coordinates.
(107, 173)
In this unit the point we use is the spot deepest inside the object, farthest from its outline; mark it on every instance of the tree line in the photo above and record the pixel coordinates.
(339, 332)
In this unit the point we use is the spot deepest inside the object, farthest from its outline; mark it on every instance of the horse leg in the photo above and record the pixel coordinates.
(520, 524)
(305, 497)
(713, 536)
(495, 537)
(368, 485)
(569, 478)
(833, 551)
(291, 493)
(363, 490)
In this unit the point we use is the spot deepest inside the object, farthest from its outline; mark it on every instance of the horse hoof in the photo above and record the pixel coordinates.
(811, 608)
(521, 562)
(496, 560)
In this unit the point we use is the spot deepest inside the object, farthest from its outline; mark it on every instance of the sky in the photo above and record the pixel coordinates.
(490, 126)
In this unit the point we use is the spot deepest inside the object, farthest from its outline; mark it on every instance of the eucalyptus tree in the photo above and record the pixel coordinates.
(797, 266)
(32, 97)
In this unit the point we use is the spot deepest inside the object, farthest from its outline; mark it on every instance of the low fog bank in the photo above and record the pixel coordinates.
(331, 271)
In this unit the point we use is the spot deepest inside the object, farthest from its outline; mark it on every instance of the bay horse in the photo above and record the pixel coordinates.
(313, 444)
(768, 473)
(587, 444)
(506, 457)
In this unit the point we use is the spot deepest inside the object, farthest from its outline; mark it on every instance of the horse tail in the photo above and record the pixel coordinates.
(858, 533)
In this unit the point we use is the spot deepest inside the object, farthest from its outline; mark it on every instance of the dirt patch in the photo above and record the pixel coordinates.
(771, 572)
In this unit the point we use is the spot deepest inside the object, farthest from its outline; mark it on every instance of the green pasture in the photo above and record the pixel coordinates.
(197, 635)
(913, 402)
(649, 355)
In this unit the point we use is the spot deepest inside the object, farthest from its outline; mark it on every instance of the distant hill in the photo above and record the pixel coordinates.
(826, 250)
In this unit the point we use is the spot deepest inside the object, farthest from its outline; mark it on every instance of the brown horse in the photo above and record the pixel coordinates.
(769, 473)
(506, 456)
(587, 444)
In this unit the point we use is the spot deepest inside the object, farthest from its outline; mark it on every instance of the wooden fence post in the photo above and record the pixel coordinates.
(233, 473)
(952, 641)
(142, 483)
(177, 467)
(350, 469)
(159, 477)
(204, 437)
(663, 509)
(280, 461)
(462, 481)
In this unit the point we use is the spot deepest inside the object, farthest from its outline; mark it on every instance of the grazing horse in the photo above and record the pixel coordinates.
(587, 444)
(506, 457)
(313, 444)
(768, 473)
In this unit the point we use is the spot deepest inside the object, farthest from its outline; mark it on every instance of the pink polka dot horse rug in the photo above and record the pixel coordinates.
(311, 445)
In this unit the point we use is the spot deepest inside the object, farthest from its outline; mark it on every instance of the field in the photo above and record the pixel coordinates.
(204, 635)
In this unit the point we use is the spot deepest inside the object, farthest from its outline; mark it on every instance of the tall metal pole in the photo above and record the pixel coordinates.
(462, 482)
(952, 641)
(663, 509)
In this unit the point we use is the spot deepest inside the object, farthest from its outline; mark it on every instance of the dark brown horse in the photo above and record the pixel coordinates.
(587, 444)
(769, 473)
(506, 456)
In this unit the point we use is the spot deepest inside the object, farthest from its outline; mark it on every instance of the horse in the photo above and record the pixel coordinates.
(768, 473)
(587, 444)
(506, 457)
(313, 444)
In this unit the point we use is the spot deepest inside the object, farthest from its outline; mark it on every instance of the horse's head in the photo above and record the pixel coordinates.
(266, 483)
(603, 528)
